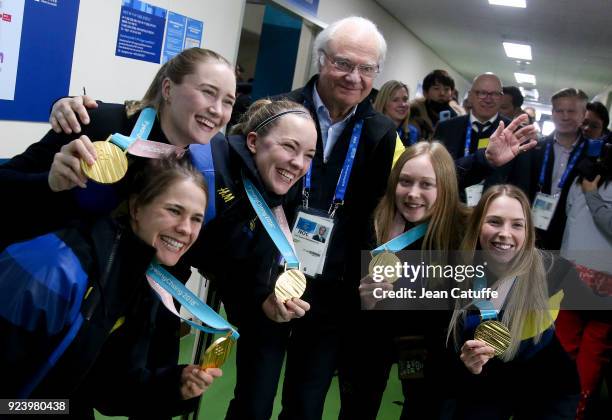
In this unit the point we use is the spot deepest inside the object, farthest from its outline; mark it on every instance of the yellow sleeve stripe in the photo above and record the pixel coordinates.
(529, 328)
(118, 324)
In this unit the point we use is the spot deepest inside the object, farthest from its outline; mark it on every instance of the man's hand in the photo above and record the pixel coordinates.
(506, 143)
(475, 354)
(65, 111)
(284, 312)
(194, 380)
(65, 172)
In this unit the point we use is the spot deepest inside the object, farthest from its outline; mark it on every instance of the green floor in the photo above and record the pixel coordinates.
(216, 399)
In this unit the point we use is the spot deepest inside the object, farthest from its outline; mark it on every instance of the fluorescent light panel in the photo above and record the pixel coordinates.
(525, 78)
(509, 3)
(520, 51)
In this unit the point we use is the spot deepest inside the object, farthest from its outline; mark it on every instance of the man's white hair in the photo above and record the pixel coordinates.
(322, 40)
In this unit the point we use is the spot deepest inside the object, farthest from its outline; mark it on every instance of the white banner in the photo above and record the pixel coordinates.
(11, 20)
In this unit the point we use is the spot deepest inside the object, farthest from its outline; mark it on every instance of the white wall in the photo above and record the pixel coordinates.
(114, 79)
(408, 59)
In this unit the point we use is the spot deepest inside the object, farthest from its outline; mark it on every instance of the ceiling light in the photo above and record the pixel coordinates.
(522, 51)
(510, 3)
(525, 78)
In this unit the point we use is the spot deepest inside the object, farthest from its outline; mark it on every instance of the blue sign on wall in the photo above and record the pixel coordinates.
(193, 36)
(309, 6)
(141, 30)
(175, 35)
(45, 61)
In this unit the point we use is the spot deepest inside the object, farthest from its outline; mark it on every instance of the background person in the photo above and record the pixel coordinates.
(596, 121)
(587, 241)
(394, 102)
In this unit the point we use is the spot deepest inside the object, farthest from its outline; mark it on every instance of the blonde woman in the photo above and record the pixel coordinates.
(422, 191)
(393, 100)
(534, 377)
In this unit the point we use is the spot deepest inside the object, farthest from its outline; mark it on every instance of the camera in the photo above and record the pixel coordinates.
(598, 159)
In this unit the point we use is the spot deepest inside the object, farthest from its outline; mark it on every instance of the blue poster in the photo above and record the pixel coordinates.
(35, 56)
(141, 30)
(175, 35)
(193, 36)
(309, 6)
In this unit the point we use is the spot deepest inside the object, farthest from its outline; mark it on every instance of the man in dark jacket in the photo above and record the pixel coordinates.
(466, 134)
(551, 167)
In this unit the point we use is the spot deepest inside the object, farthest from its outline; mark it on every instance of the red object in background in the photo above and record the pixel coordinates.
(6, 17)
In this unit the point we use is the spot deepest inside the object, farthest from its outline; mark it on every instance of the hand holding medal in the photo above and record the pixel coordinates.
(111, 163)
(495, 334)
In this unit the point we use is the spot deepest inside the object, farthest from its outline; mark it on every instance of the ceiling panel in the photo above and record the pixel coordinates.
(570, 39)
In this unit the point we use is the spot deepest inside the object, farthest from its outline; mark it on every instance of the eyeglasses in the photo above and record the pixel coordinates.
(592, 125)
(345, 66)
(482, 94)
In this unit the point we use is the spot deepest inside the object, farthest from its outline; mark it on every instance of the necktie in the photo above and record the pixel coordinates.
(481, 127)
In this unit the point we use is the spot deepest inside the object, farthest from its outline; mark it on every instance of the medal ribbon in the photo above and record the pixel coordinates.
(269, 222)
(165, 284)
(487, 310)
(402, 241)
(345, 174)
(141, 130)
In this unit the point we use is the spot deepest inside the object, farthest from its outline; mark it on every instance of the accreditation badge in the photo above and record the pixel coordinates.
(473, 194)
(311, 234)
(543, 210)
(483, 143)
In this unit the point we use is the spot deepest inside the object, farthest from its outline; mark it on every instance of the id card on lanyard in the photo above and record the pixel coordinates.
(313, 228)
(545, 205)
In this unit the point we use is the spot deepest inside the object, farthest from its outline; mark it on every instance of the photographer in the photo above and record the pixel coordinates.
(596, 121)
(587, 241)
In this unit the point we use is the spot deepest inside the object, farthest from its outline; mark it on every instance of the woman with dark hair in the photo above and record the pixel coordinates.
(78, 316)
(596, 121)
(272, 149)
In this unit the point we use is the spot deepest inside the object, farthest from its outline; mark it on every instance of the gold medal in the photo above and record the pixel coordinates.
(217, 353)
(385, 259)
(291, 284)
(110, 166)
(495, 334)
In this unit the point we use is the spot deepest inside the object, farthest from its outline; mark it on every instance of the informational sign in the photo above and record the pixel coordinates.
(175, 35)
(11, 20)
(181, 33)
(141, 31)
(310, 6)
(36, 48)
(193, 36)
